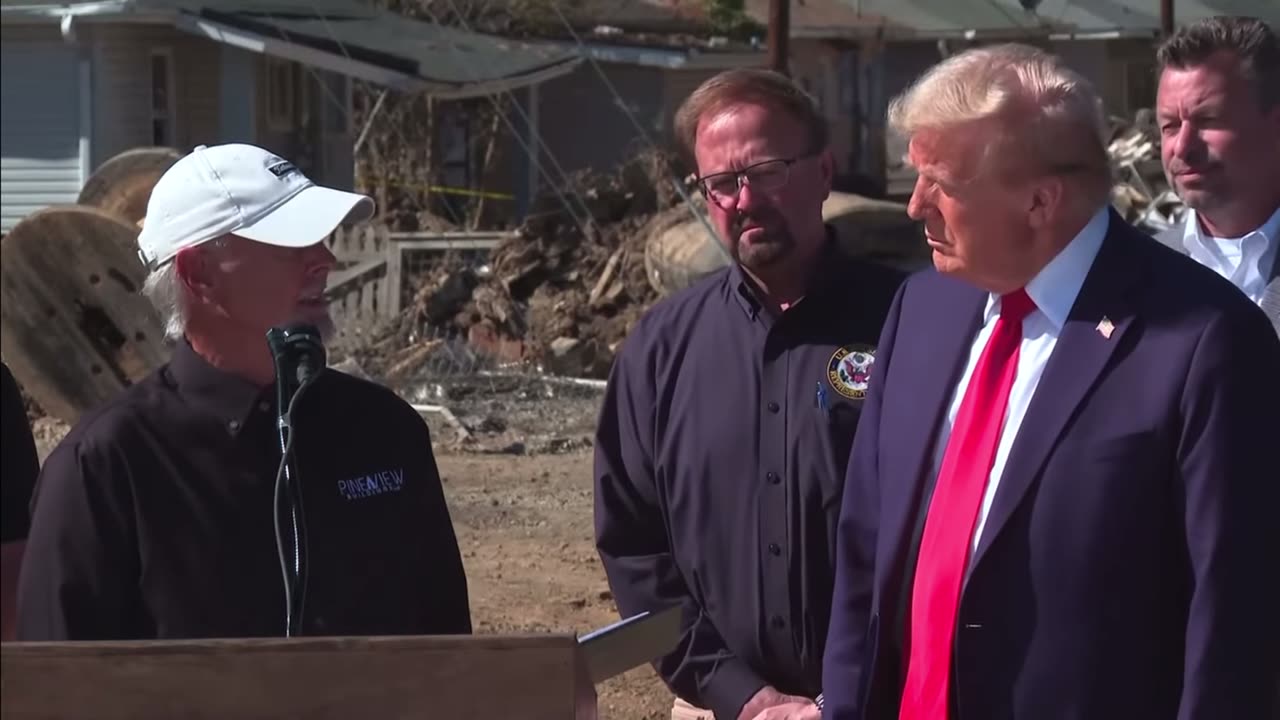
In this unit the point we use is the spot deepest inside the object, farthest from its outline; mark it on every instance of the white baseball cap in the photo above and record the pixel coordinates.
(242, 190)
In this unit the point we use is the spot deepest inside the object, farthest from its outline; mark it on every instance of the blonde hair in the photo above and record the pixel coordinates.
(1048, 114)
(749, 85)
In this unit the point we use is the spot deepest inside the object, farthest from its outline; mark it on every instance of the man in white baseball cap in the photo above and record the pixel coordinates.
(153, 518)
(268, 264)
(246, 191)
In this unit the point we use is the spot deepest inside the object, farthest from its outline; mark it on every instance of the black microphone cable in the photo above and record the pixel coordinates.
(292, 623)
(299, 357)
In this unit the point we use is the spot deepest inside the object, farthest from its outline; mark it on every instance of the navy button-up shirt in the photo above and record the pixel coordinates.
(720, 459)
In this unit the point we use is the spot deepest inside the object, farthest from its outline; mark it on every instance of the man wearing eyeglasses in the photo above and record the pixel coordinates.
(731, 410)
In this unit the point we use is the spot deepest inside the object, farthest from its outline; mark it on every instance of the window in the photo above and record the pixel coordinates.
(455, 141)
(336, 97)
(281, 90)
(847, 79)
(163, 102)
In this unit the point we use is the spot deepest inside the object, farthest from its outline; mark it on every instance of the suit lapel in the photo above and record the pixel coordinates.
(1079, 358)
(951, 316)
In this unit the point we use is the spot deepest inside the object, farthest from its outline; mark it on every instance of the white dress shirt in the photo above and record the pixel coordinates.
(1245, 261)
(1054, 292)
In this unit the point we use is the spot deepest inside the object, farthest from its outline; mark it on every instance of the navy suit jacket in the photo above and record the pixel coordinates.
(1128, 567)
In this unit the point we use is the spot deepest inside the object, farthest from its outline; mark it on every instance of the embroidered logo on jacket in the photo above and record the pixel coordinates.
(849, 370)
(378, 483)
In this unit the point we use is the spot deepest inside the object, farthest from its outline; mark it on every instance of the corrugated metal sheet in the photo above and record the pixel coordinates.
(822, 18)
(331, 9)
(39, 127)
(433, 52)
(408, 54)
(995, 17)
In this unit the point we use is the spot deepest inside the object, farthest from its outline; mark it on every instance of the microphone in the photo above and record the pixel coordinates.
(299, 356)
(298, 353)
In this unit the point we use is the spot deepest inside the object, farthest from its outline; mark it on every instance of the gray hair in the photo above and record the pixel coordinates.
(1049, 114)
(164, 289)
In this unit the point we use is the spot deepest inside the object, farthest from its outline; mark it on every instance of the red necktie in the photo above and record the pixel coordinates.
(948, 528)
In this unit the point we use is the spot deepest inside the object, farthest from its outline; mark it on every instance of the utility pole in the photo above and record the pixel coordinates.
(1166, 18)
(779, 33)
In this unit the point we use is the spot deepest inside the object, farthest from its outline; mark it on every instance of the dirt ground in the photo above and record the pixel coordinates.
(524, 526)
(519, 490)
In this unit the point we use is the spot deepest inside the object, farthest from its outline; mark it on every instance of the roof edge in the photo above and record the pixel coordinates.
(401, 76)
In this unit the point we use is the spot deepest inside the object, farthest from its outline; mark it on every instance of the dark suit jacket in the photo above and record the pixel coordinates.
(1173, 238)
(1127, 569)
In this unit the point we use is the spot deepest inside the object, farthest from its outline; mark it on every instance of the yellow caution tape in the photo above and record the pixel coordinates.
(446, 190)
(472, 193)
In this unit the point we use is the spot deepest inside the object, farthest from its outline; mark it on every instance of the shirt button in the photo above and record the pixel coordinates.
(775, 549)
(777, 622)
(234, 425)
(773, 478)
(773, 407)
(264, 406)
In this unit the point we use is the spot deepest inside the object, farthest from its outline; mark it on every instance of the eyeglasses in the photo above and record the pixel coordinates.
(722, 188)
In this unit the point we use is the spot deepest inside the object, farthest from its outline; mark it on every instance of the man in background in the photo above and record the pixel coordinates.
(1218, 110)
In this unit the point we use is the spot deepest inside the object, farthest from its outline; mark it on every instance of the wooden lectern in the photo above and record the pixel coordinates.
(489, 677)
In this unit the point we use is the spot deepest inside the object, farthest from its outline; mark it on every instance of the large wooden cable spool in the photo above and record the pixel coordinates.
(74, 327)
(122, 185)
(876, 230)
(679, 250)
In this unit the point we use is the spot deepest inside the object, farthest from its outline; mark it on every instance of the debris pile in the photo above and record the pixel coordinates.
(560, 294)
(1141, 193)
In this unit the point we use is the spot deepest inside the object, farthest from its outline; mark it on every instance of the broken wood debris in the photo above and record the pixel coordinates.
(444, 412)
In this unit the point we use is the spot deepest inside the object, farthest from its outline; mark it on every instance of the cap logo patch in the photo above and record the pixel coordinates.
(849, 370)
(282, 169)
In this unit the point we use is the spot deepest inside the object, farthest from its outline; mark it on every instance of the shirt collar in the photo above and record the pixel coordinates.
(227, 396)
(1193, 234)
(1258, 250)
(1055, 287)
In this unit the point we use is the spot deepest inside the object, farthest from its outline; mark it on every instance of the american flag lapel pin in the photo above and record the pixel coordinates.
(1106, 327)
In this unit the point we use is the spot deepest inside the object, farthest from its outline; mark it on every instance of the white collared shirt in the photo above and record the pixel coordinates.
(1245, 261)
(1053, 290)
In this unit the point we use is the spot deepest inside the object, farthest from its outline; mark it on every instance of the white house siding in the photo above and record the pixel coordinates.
(40, 163)
(122, 84)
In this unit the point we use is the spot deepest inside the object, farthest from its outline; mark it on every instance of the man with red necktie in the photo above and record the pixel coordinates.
(1060, 500)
